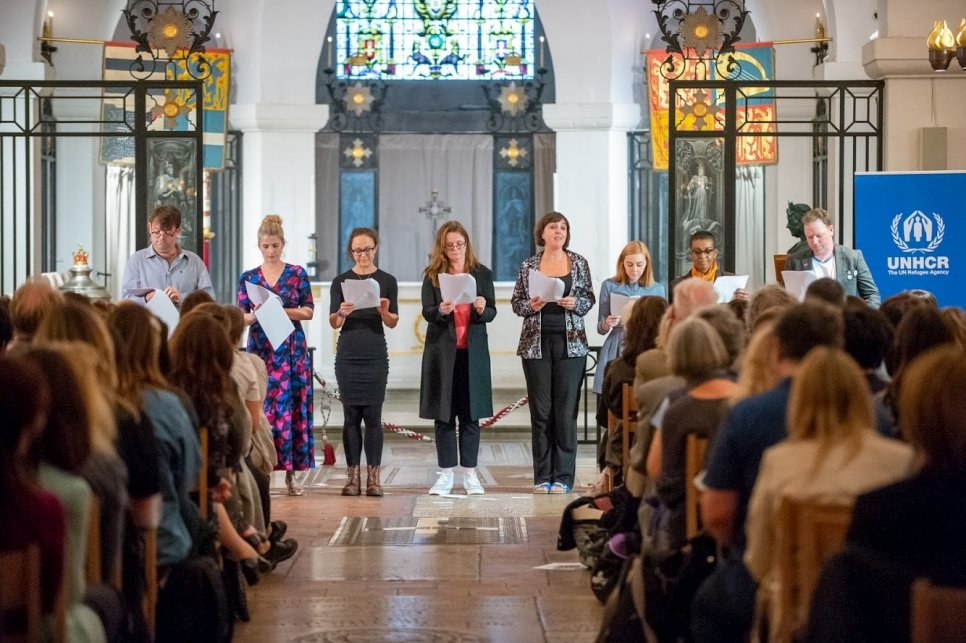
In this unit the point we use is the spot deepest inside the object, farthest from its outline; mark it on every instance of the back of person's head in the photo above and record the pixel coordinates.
(956, 321)
(138, 335)
(66, 438)
(868, 336)
(201, 357)
(696, 350)
(826, 290)
(72, 321)
(896, 306)
(236, 323)
(692, 295)
(739, 307)
(24, 403)
(641, 326)
(767, 298)
(31, 303)
(805, 326)
(194, 299)
(758, 371)
(830, 401)
(6, 326)
(730, 329)
(931, 408)
(921, 328)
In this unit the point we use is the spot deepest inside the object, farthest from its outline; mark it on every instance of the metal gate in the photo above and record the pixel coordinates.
(153, 126)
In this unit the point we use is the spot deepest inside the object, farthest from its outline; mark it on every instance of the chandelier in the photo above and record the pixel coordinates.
(944, 46)
(700, 36)
(170, 32)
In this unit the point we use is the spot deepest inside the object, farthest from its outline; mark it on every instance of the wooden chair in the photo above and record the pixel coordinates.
(93, 564)
(696, 454)
(938, 613)
(612, 425)
(779, 266)
(809, 533)
(150, 600)
(629, 426)
(203, 474)
(20, 582)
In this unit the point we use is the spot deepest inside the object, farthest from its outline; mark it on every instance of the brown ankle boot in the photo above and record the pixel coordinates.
(352, 487)
(373, 488)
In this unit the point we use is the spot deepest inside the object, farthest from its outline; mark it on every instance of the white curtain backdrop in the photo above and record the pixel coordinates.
(411, 166)
(120, 223)
(749, 225)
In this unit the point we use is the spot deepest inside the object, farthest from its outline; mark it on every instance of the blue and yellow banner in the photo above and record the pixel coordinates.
(698, 111)
(169, 111)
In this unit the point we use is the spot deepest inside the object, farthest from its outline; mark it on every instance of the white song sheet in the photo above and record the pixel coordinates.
(544, 287)
(726, 285)
(162, 307)
(270, 314)
(361, 293)
(620, 305)
(797, 282)
(459, 289)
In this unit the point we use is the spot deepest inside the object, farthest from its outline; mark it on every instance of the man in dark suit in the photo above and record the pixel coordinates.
(704, 263)
(826, 258)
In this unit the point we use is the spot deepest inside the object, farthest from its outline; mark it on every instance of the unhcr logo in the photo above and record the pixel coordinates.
(918, 233)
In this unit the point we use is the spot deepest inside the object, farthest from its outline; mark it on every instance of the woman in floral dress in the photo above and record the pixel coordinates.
(288, 402)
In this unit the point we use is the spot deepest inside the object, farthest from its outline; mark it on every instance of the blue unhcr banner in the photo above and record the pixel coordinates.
(911, 227)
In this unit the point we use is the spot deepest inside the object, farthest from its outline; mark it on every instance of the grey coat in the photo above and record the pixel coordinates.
(439, 353)
(851, 271)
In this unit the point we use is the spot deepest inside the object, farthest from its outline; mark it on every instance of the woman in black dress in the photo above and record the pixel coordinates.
(362, 360)
(455, 380)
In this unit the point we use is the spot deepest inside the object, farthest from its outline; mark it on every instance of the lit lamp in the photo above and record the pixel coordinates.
(961, 44)
(698, 39)
(941, 43)
(169, 31)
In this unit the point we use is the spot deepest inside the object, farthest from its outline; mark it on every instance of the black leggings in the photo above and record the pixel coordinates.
(352, 439)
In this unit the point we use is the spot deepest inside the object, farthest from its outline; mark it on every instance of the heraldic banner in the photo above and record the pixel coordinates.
(911, 227)
(118, 59)
(756, 111)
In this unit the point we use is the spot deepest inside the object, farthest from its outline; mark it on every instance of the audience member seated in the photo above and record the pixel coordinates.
(826, 290)
(832, 454)
(955, 318)
(6, 326)
(758, 369)
(910, 529)
(194, 299)
(30, 304)
(29, 513)
(868, 337)
(724, 604)
(770, 297)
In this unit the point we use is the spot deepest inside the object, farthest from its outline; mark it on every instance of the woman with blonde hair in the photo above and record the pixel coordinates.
(288, 405)
(758, 371)
(634, 278)
(832, 452)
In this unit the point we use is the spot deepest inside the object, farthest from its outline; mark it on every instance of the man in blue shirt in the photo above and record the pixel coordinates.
(164, 265)
(724, 605)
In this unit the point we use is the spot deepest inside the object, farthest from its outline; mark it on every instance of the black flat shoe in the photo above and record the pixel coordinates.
(253, 568)
(280, 551)
(279, 527)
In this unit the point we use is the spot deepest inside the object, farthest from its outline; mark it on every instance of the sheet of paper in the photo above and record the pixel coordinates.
(726, 285)
(362, 293)
(139, 292)
(562, 567)
(164, 309)
(273, 320)
(797, 281)
(258, 294)
(544, 287)
(459, 289)
(620, 305)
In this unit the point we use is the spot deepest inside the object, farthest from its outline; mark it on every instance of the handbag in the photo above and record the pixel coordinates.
(263, 455)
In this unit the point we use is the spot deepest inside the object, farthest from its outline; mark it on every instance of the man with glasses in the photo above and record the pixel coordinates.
(704, 263)
(164, 265)
(826, 258)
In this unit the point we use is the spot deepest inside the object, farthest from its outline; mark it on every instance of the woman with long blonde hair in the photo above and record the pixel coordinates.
(455, 381)
(833, 452)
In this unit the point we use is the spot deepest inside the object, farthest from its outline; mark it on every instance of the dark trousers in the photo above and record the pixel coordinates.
(469, 429)
(352, 439)
(553, 387)
(264, 483)
(724, 605)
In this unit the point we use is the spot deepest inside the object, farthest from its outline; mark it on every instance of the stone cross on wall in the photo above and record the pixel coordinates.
(435, 210)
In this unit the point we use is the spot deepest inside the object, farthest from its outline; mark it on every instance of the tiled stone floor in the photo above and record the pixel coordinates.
(426, 592)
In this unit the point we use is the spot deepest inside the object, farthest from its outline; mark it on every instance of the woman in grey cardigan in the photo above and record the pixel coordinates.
(455, 382)
(553, 345)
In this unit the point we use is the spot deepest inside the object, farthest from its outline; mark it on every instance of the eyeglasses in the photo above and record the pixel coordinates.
(456, 245)
(363, 251)
(696, 252)
(157, 234)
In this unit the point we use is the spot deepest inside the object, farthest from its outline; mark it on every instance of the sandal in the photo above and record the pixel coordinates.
(294, 488)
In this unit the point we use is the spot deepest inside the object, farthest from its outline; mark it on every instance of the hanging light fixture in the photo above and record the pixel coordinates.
(944, 46)
(699, 35)
(170, 32)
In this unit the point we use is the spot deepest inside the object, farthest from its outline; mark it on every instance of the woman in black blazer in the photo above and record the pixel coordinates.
(455, 382)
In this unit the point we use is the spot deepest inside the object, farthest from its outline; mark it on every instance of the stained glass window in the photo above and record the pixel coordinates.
(435, 39)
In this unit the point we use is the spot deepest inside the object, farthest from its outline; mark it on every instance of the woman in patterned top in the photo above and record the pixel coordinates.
(553, 345)
(288, 403)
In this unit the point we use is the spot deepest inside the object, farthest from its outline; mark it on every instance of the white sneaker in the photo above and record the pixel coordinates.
(472, 484)
(444, 484)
